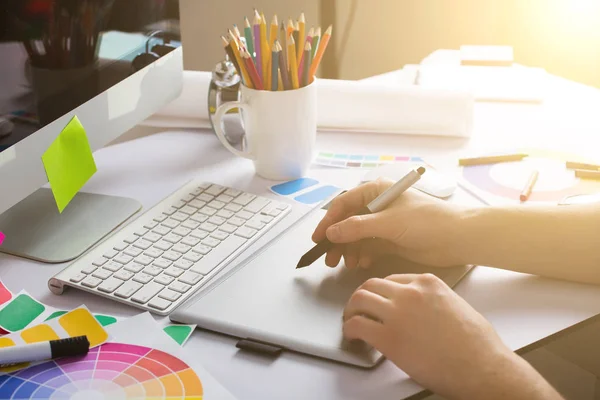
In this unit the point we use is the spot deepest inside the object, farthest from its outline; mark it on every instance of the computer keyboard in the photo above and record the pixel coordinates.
(168, 253)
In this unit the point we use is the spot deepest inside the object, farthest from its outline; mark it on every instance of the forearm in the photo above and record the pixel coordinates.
(560, 242)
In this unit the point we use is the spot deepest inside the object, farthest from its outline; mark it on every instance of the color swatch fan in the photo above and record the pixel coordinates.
(111, 371)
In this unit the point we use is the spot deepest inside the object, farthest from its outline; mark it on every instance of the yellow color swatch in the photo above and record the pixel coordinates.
(6, 342)
(81, 322)
(39, 333)
(172, 385)
(386, 158)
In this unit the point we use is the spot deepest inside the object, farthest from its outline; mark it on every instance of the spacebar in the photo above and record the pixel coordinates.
(218, 254)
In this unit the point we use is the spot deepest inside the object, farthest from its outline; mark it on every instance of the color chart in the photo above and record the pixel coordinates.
(502, 183)
(110, 371)
(307, 191)
(346, 160)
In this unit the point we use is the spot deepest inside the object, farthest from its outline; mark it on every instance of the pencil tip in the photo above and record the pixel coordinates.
(421, 170)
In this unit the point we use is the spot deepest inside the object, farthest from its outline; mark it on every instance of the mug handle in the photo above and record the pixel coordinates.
(221, 111)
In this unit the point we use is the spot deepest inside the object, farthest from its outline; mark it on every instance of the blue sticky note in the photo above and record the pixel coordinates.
(356, 157)
(416, 159)
(372, 158)
(341, 156)
(317, 195)
(291, 187)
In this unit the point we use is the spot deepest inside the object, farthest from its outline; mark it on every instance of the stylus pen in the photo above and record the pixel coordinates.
(380, 203)
(41, 351)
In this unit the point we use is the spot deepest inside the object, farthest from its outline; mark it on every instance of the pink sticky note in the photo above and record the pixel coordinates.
(2, 237)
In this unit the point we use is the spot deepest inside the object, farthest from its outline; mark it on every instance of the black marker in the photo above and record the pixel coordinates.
(75, 346)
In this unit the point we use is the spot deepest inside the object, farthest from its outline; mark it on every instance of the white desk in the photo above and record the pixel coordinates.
(523, 309)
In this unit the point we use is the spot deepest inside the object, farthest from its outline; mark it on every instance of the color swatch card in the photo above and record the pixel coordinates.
(502, 183)
(104, 320)
(179, 333)
(349, 160)
(20, 311)
(307, 191)
(69, 163)
(2, 237)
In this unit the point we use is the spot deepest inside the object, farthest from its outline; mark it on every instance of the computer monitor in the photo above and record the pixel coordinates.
(84, 58)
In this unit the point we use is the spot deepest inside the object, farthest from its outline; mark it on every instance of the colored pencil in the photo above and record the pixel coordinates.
(238, 35)
(283, 68)
(307, 58)
(249, 38)
(489, 159)
(301, 37)
(296, 35)
(579, 165)
(308, 40)
(275, 67)
(319, 56)
(587, 174)
(231, 55)
(257, 43)
(529, 186)
(273, 31)
(265, 51)
(252, 70)
(283, 39)
(279, 80)
(315, 41)
(293, 63)
(242, 68)
(290, 28)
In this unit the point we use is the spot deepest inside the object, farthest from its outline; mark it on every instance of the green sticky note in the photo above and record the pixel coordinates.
(69, 163)
(105, 320)
(179, 333)
(20, 312)
(55, 314)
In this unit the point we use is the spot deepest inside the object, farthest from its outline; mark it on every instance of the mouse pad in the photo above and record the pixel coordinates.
(267, 299)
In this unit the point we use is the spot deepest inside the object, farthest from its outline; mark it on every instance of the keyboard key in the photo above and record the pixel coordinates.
(113, 266)
(216, 257)
(183, 263)
(224, 198)
(210, 241)
(123, 275)
(152, 237)
(208, 211)
(172, 255)
(102, 273)
(202, 249)
(205, 185)
(233, 192)
(159, 304)
(162, 263)
(236, 221)
(233, 207)
(169, 294)
(187, 198)
(110, 285)
(163, 245)
(188, 210)
(283, 206)
(190, 241)
(146, 293)
(265, 219)
(192, 256)
(164, 279)
(246, 232)
(197, 203)
(161, 230)
(179, 204)
(208, 227)
(205, 197)
(100, 261)
(216, 220)
(170, 211)
(196, 192)
(171, 223)
(181, 231)
(179, 216)
(198, 217)
(123, 258)
(190, 224)
(244, 198)
(199, 234)
(191, 278)
(175, 272)
(141, 232)
(128, 289)
(110, 253)
(143, 244)
(228, 228)
(142, 278)
(121, 246)
(134, 267)
(257, 204)
(274, 212)
(77, 278)
(133, 251)
(181, 248)
(215, 190)
(243, 215)
(89, 269)
(91, 282)
(154, 253)
(172, 238)
(254, 224)
(150, 224)
(144, 260)
(217, 205)
(219, 235)
(161, 217)
(225, 214)
(180, 287)
(152, 270)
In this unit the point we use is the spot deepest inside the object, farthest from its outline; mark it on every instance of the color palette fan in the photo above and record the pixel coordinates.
(345, 160)
(110, 371)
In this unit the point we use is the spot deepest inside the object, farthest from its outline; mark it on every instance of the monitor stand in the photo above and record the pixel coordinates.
(34, 228)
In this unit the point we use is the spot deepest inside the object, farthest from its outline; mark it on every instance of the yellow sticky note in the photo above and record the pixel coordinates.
(6, 342)
(39, 333)
(81, 322)
(69, 163)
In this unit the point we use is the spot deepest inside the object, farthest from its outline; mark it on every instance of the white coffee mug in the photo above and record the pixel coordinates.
(280, 130)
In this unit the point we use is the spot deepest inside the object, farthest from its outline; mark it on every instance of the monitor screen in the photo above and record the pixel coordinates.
(56, 55)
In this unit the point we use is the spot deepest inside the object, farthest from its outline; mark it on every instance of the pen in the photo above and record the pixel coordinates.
(491, 159)
(529, 186)
(578, 165)
(75, 346)
(380, 203)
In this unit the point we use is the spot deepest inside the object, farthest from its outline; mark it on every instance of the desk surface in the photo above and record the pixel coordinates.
(522, 308)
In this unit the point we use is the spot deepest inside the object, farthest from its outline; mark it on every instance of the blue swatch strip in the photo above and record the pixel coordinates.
(317, 195)
(291, 187)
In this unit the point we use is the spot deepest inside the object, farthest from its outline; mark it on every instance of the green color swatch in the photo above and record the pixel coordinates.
(69, 163)
(179, 333)
(20, 312)
(105, 320)
(55, 314)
